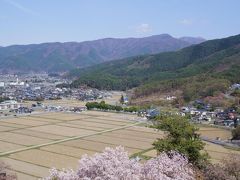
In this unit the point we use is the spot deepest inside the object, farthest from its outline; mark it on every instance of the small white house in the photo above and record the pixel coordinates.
(235, 86)
(170, 98)
(185, 109)
(2, 84)
(10, 104)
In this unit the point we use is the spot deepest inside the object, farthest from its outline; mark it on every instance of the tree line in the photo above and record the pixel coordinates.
(103, 106)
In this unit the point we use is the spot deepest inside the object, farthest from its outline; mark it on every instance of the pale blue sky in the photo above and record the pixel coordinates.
(36, 21)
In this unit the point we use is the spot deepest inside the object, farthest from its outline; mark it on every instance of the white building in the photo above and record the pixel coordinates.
(8, 105)
(235, 86)
(2, 84)
(17, 83)
(170, 98)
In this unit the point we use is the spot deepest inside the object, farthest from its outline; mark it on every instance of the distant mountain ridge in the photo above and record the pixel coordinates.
(61, 57)
(191, 40)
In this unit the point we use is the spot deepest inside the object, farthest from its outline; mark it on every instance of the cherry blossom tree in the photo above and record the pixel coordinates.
(167, 166)
(5, 173)
(115, 164)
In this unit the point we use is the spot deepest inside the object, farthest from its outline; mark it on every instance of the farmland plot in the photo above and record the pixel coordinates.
(213, 133)
(23, 139)
(61, 130)
(33, 144)
(26, 122)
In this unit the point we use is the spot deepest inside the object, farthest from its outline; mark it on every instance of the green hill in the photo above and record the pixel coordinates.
(207, 67)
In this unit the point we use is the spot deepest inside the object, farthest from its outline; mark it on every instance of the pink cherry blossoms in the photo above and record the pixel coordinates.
(115, 164)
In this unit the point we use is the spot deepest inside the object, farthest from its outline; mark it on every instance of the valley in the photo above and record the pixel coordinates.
(119, 90)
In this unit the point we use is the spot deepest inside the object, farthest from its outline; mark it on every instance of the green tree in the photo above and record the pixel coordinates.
(122, 99)
(182, 137)
(236, 133)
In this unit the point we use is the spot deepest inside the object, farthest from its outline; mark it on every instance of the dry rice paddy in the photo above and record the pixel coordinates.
(33, 144)
(213, 133)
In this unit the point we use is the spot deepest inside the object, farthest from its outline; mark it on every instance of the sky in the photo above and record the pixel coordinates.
(38, 21)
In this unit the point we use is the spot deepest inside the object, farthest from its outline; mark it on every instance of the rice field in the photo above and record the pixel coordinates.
(217, 152)
(214, 133)
(32, 144)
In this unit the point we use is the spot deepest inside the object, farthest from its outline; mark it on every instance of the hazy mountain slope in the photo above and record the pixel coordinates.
(191, 40)
(218, 59)
(66, 56)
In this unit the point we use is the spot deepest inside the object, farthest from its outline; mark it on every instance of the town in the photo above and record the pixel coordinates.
(15, 90)
(37, 88)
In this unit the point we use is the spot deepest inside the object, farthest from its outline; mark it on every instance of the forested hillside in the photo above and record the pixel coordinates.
(207, 67)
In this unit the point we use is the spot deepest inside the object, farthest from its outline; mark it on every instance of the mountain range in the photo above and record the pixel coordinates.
(61, 57)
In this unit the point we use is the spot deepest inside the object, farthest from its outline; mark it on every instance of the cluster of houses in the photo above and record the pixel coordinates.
(28, 87)
(38, 87)
(89, 94)
(229, 117)
(43, 87)
(202, 112)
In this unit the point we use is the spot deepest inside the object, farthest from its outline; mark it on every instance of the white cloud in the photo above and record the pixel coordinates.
(20, 7)
(186, 21)
(143, 28)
